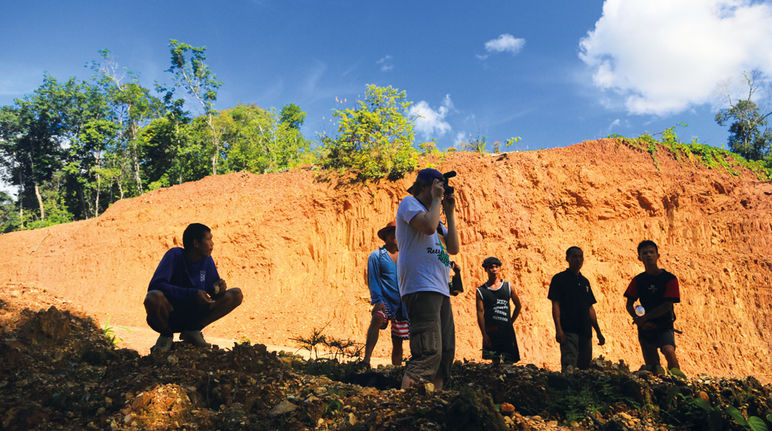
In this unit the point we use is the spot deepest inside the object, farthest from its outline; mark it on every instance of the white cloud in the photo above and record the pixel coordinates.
(430, 122)
(665, 56)
(614, 124)
(386, 63)
(460, 139)
(504, 43)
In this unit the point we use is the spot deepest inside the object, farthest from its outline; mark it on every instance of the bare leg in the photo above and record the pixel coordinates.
(407, 382)
(376, 323)
(396, 351)
(225, 304)
(669, 352)
(438, 382)
(650, 357)
(158, 309)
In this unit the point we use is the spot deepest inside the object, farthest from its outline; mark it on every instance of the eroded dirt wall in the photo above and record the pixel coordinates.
(298, 245)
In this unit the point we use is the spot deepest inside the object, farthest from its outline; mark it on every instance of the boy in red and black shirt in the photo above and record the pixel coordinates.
(658, 291)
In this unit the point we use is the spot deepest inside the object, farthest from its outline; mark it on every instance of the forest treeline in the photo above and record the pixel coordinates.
(73, 147)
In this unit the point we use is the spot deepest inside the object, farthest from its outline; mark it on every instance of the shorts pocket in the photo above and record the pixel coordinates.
(424, 340)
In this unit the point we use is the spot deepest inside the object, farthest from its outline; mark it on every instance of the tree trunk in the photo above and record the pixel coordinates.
(96, 203)
(136, 173)
(21, 205)
(40, 202)
(215, 143)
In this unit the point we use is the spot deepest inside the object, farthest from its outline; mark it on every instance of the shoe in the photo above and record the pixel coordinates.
(195, 338)
(163, 344)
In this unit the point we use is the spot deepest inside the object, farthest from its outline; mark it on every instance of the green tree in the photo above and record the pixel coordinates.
(254, 140)
(292, 116)
(375, 139)
(133, 107)
(188, 65)
(9, 216)
(748, 135)
(30, 140)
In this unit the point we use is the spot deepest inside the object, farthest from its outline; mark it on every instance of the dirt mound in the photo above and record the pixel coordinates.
(67, 376)
(297, 246)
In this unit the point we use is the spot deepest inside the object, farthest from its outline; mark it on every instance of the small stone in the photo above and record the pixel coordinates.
(172, 360)
(704, 395)
(352, 420)
(428, 387)
(283, 407)
(320, 390)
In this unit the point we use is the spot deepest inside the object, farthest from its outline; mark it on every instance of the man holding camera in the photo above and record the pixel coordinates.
(425, 244)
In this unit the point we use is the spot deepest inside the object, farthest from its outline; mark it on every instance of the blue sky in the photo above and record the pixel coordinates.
(552, 72)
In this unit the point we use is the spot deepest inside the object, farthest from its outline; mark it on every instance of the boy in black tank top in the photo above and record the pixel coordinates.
(493, 318)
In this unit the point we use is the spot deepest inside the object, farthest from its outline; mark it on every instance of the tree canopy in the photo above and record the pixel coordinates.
(375, 139)
(749, 135)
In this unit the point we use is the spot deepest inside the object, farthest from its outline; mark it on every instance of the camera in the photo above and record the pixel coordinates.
(455, 286)
(446, 176)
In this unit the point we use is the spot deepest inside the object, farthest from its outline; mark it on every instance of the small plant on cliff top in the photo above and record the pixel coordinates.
(695, 152)
(375, 139)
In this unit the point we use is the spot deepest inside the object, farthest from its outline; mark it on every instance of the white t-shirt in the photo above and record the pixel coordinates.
(423, 263)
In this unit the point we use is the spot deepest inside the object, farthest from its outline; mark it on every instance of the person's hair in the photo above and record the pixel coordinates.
(647, 243)
(194, 232)
(573, 247)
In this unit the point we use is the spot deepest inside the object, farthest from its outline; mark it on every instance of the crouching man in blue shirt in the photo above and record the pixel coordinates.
(186, 293)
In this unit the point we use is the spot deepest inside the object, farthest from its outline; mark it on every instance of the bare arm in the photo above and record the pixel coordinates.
(451, 239)
(665, 308)
(630, 307)
(560, 336)
(426, 222)
(516, 301)
(594, 322)
(481, 319)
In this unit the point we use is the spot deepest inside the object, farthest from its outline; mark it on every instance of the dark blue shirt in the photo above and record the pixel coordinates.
(179, 278)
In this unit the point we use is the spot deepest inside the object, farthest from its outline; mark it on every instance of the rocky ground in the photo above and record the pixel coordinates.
(60, 371)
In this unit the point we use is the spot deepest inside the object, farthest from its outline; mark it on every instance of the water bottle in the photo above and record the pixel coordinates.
(639, 310)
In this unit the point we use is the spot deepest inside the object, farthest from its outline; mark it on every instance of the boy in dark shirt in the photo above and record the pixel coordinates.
(573, 313)
(186, 293)
(493, 318)
(658, 291)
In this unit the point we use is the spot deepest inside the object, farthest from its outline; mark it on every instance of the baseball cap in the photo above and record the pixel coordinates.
(425, 176)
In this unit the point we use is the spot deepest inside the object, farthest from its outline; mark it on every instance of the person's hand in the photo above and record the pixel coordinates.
(380, 307)
(486, 341)
(601, 339)
(560, 336)
(220, 286)
(454, 266)
(202, 298)
(449, 203)
(438, 189)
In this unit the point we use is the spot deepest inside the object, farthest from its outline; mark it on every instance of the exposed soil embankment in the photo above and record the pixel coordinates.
(298, 246)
